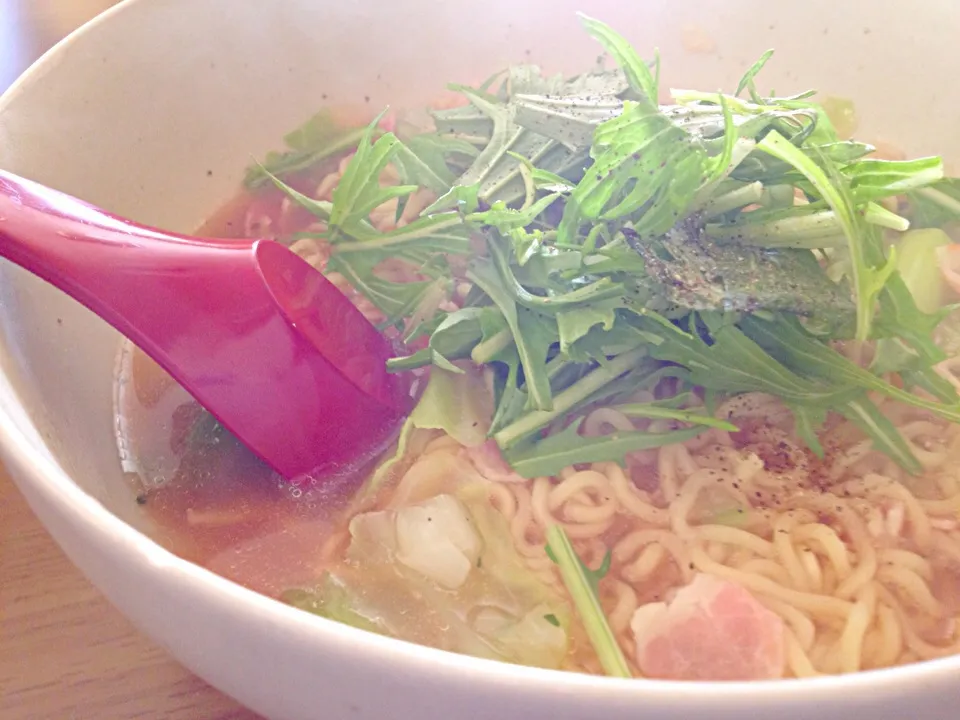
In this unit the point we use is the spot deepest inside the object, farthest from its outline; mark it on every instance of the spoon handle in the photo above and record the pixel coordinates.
(100, 260)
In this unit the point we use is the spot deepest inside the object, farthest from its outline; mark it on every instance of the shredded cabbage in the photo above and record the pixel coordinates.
(445, 573)
(920, 268)
(457, 403)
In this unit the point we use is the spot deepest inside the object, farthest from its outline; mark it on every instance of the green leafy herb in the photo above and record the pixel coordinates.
(746, 82)
(532, 334)
(787, 341)
(668, 410)
(885, 436)
(877, 179)
(333, 600)
(867, 279)
(596, 242)
(567, 447)
(637, 72)
(359, 190)
(568, 399)
(319, 138)
(935, 205)
(583, 586)
(319, 208)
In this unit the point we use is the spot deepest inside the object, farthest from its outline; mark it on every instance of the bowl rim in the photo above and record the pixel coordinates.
(32, 465)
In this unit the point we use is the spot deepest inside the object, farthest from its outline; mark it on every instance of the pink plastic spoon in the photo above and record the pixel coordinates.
(260, 338)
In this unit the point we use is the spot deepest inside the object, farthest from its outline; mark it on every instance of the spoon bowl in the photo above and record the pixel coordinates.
(257, 335)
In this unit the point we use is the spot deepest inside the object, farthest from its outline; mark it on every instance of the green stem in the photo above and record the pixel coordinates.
(878, 215)
(741, 197)
(778, 196)
(817, 230)
(736, 104)
(647, 410)
(410, 234)
(940, 198)
(567, 399)
(484, 351)
(798, 227)
(555, 365)
(599, 290)
(410, 362)
(867, 279)
(530, 190)
(587, 603)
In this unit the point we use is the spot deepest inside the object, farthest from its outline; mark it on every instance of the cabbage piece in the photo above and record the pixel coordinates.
(919, 266)
(333, 600)
(457, 403)
(460, 587)
(434, 537)
(948, 334)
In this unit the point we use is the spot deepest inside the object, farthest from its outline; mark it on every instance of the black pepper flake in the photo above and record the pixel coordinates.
(142, 499)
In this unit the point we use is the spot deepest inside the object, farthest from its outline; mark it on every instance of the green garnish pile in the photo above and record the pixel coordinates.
(721, 240)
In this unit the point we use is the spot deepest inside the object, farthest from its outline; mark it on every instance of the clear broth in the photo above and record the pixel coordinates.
(211, 500)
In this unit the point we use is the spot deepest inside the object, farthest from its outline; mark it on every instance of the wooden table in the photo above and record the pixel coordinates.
(65, 652)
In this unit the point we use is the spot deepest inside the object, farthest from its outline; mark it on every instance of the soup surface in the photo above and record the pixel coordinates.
(692, 402)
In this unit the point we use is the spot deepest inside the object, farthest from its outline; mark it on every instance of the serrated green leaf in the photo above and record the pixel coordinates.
(549, 456)
(636, 70)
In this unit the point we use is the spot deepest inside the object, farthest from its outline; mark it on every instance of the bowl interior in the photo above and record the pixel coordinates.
(154, 111)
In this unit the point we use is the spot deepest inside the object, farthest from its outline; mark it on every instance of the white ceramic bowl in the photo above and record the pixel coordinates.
(154, 109)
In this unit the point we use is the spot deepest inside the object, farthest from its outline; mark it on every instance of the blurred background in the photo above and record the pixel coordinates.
(29, 27)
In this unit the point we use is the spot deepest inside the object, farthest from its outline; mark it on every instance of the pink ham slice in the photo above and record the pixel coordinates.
(713, 629)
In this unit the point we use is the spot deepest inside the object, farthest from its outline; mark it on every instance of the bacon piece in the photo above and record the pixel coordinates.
(713, 629)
